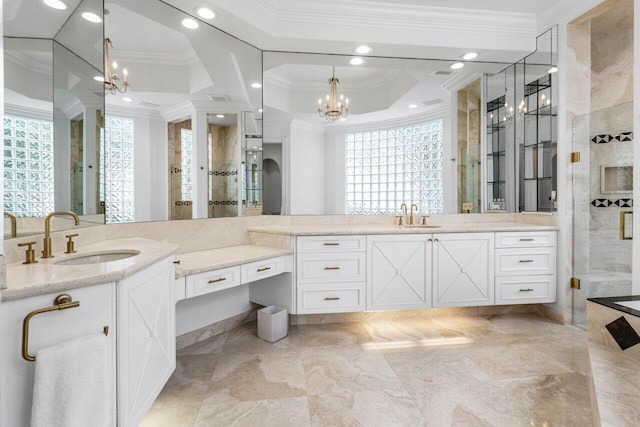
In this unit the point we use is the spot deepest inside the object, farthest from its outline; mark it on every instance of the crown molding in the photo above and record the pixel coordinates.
(24, 61)
(156, 58)
(28, 112)
(459, 80)
(132, 112)
(278, 21)
(377, 82)
(564, 12)
(438, 113)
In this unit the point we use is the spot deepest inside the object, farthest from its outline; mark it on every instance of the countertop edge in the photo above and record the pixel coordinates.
(83, 281)
(374, 230)
(182, 271)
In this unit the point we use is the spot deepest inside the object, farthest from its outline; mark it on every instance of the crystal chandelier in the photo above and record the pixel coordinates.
(111, 80)
(335, 107)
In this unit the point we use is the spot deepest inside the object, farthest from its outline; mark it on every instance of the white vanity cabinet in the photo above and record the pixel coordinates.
(463, 273)
(330, 274)
(146, 338)
(399, 272)
(525, 267)
(96, 310)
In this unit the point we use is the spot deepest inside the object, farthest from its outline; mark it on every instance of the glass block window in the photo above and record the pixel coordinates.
(385, 168)
(28, 166)
(186, 156)
(117, 171)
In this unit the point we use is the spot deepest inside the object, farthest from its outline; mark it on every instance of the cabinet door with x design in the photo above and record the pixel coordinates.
(463, 271)
(399, 272)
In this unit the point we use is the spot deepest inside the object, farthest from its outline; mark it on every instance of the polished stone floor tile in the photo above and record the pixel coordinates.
(337, 370)
(273, 412)
(514, 369)
(190, 381)
(333, 334)
(386, 407)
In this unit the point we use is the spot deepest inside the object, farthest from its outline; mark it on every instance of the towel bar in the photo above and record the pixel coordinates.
(62, 302)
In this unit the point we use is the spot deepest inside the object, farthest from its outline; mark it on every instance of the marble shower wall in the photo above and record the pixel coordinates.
(469, 173)
(76, 163)
(178, 208)
(223, 171)
(607, 251)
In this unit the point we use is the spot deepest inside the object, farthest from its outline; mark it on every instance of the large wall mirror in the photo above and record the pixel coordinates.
(188, 138)
(53, 114)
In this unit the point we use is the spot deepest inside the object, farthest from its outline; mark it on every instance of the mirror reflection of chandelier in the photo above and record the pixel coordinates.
(111, 79)
(335, 107)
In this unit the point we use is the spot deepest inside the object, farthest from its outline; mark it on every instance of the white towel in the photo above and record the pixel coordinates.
(72, 384)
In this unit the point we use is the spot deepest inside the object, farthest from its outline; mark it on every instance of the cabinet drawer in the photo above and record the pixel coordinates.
(525, 239)
(212, 281)
(523, 290)
(525, 261)
(331, 298)
(323, 268)
(262, 269)
(331, 243)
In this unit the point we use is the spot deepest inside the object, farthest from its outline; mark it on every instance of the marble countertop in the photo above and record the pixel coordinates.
(213, 259)
(45, 277)
(463, 227)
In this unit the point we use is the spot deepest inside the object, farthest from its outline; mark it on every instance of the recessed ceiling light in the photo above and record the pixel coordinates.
(91, 17)
(456, 65)
(469, 56)
(256, 85)
(413, 105)
(259, 110)
(552, 70)
(189, 23)
(126, 99)
(56, 4)
(98, 78)
(356, 61)
(220, 116)
(205, 12)
(363, 49)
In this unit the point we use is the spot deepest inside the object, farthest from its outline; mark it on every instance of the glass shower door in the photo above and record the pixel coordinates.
(602, 193)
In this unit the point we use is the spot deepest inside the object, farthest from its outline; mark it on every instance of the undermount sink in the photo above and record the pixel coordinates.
(97, 258)
(422, 226)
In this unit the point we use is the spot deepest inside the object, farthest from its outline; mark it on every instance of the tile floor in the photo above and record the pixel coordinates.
(504, 370)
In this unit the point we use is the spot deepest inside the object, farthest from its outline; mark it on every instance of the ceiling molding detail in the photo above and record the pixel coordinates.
(278, 21)
(435, 114)
(28, 112)
(25, 61)
(156, 58)
(459, 80)
(564, 12)
(272, 77)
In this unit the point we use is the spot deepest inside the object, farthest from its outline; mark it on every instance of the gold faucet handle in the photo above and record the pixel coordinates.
(30, 254)
(400, 219)
(70, 243)
(424, 219)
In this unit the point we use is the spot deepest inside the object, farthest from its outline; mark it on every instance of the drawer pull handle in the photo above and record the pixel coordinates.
(332, 244)
(527, 240)
(332, 268)
(526, 260)
(221, 279)
(260, 270)
(332, 298)
(526, 290)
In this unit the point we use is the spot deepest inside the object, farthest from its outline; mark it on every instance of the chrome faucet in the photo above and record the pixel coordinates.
(14, 224)
(411, 216)
(46, 253)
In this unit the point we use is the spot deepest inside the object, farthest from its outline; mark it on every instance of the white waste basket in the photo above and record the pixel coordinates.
(273, 323)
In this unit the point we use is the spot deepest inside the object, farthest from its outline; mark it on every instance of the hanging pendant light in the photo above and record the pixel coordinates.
(335, 107)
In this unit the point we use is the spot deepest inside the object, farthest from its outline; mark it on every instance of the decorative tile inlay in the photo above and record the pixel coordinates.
(601, 203)
(601, 139)
(624, 203)
(623, 333)
(621, 137)
(625, 136)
